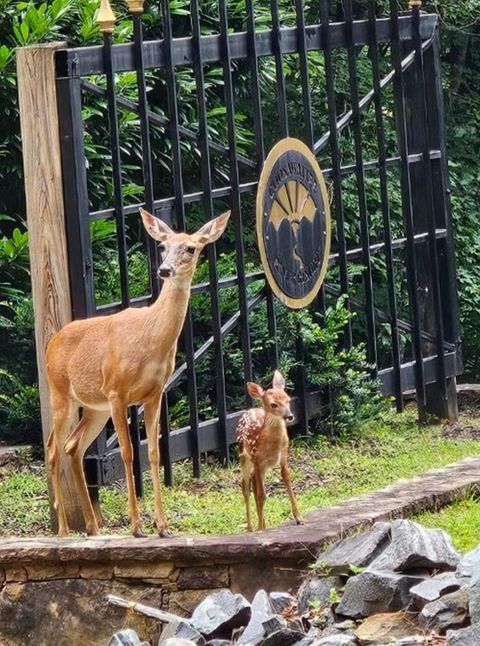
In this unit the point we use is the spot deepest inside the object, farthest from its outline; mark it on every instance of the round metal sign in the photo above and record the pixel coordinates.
(293, 223)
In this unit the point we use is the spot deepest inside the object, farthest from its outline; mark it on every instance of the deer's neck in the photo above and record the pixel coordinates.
(166, 316)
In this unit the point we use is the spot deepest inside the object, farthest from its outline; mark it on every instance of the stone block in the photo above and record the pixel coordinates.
(143, 570)
(200, 578)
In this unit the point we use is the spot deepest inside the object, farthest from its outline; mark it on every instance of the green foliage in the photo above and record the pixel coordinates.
(19, 410)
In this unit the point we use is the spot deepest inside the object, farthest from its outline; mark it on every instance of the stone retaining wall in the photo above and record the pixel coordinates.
(53, 591)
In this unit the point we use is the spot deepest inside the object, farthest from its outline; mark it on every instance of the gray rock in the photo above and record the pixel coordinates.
(450, 610)
(284, 637)
(413, 546)
(474, 598)
(174, 641)
(181, 630)
(127, 637)
(281, 601)
(262, 610)
(336, 640)
(469, 564)
(358, 550)
(369, 593)
(435, 587)
(220, 613)
(275, 624)
(220, 642)
(465, 637)
(316, 592)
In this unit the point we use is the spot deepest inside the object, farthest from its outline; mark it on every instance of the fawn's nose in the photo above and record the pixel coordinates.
(166, 271)
(288, 417)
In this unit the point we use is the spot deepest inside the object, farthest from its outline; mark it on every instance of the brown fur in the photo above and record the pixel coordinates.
(263, 442)
(108, 363)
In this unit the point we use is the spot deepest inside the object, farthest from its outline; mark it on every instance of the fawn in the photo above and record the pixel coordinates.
(263, 442)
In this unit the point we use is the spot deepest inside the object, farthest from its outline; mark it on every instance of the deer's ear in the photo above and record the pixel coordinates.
(213, 229)
(254, 390)
(278, 380)
(157, 229)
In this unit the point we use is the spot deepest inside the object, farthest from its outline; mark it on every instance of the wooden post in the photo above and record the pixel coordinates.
(46, 227)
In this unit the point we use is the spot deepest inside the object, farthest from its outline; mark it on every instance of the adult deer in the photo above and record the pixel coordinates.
(263, 442)
(105, 364)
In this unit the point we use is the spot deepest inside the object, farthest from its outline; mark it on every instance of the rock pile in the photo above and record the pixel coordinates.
(398, 584)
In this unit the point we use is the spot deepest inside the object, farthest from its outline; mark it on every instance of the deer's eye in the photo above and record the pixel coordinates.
(161, 247)
(274, 405)
(191, 249)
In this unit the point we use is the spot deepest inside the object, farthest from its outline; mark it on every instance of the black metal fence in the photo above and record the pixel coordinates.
(295, 74)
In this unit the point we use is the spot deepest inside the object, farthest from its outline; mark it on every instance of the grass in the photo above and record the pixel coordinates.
(461, 520)
(324, 473)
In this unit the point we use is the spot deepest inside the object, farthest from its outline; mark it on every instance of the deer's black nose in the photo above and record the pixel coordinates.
(165, 271)
(289, 418)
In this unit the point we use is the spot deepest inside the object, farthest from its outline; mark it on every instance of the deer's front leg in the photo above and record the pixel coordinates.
(118, 411)
(285, 474)
(246, 467)
(152, 416)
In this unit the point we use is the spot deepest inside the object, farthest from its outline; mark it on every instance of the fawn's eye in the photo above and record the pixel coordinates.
(161, 247)
(191, 249)
(274, 405)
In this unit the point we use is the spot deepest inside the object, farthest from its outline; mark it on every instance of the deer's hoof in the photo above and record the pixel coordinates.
(139, 533)
(300, 521)
(165, 533)
(93, 531)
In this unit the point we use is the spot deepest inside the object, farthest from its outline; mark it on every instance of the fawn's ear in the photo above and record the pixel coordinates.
(278, 380)
(213, 229)
(157, 229)
(254, 390)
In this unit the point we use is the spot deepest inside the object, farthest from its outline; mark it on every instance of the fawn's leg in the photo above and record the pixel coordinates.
(63, 413)
(152, 415)
(77, 443)
(260, 495)
(285, 474)
(246, 467)
(118, 410)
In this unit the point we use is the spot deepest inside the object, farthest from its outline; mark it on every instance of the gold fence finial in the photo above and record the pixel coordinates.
(412, 4)
(106, 18)
(135, 6)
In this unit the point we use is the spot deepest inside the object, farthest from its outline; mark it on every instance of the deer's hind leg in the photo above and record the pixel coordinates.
(246, 467)
(77, 443)
(64, 411)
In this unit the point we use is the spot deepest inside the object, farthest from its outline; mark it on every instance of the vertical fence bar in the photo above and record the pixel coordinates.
(209, 212)
(146, 146)
(77, 224)
(412, 278)
(121, 231)
(387, 231)
(336, 159)
(260, 152)
(116, 168)
(235, 200)
(422, 132)
(180, 219)
(303, 60)
(362, 195)
(301, 385)
(279, 74)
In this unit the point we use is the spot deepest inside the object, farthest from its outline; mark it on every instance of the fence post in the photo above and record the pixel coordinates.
(46, 226)
(442, 405)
